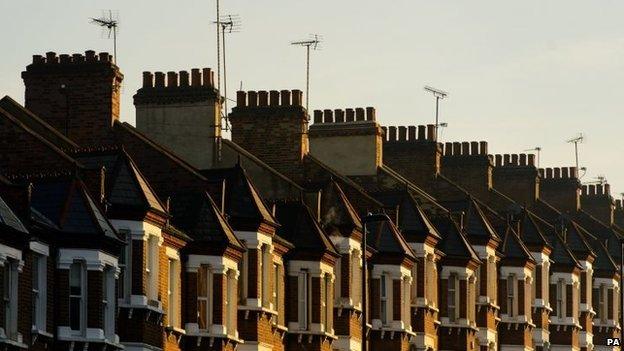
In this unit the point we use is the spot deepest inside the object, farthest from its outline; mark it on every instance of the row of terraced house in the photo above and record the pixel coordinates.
(168, 236)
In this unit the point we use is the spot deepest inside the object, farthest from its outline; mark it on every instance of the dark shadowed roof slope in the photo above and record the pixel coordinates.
(513, 248)
(454, 244)
(385, 238)
(298, 226)
(476, 225)
(410, 217)
(9, 219)
(197, 215)
(336, 210)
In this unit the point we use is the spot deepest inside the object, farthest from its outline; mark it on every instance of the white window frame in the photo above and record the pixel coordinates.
(151, 266)
(414, 286)
(208, 300)
(82, 313)
(603, 302)
(173, 292)
(303, 305)
(265, 268)
(327, 303)
(356, 276)
(406, 316)
(230, 302)
(561, 297)
(125, 267)
(384, 300)
(453, 303)
(108, 301)
(243, 268)
(276, 286)
(40, 291)
(511, 298)
(10, 299)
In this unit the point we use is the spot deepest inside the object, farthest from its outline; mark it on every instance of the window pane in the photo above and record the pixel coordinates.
(202, 311)
(202, 281)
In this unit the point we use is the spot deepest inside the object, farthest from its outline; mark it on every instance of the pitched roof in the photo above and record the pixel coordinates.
(476, 225)
(36, 124)
(454, 244)
(298, 226)
(9, 219)
(197, 215)
(126, 185)
(410, 217)
(514, 248)
(67, 203)
(242, 201)
(337, 211)
(385, 237)
(532, 232)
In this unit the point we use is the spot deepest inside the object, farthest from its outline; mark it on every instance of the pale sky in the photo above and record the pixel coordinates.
(520, 73)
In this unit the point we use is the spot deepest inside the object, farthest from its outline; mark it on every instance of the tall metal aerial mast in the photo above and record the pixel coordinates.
(313, 43)
(438, 94)
(229, 24)
(110, 23)
(577, 140)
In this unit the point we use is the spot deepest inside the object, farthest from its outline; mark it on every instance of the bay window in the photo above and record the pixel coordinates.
(39, 291)
(152, 267)
(108, 301)
(405, 313)
(560, 298)
(383, 299)
(10, 299)
(204, 297)
(230, 302)
(356, 277)
(303, 299)
(511, 296)
(173, 295)
(124, 283)
(265, 269)
(77, 296)
(243, 265)
(326, 303)
(452, 298)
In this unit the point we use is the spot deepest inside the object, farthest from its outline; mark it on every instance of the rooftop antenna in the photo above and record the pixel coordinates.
(600, 179)
(438, 94)
(578, 139)
(442, 125)
(538, 150)
(313, 43)
(109, 22)
(229, 24)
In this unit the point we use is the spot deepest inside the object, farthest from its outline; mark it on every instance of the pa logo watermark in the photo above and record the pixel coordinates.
(613, 342)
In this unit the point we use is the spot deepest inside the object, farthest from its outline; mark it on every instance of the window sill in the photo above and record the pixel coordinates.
(40, 332)
(155, 306)
(205, 334)
(257, 309)
(280, 327)
(175, 330)
(313, 333)
(18, 344)
(426, 306)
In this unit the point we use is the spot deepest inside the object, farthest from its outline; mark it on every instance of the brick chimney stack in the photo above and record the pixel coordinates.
(350, 140)
(182, 112)
(413, 152)
(618, 214)
(273, 126)
(561, 188)
(597, 201)
(469, 165)
(517, 177)
(78, 94)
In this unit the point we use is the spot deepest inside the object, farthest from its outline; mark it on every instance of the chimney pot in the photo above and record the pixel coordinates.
(370, 114)
(584, 190)
(359, 114)
(592, 189)
(350, 115)
(196, 77)
(328, 116)
(339, 114)
(148, 80)
(393, 134)
(38, 59)
(241, 98)
(385, 133)
(557, 172)
(523, 159)
(90, 56)
(474, 148)
(274, 98)
(252, 98)
(484, 147)
(607, 189)
(430, 132)
(541, 172)
(514, 159)
(285, 97)
(457, 149)
(64, 58)
(51, 57)
(549, 172)
(507, 159)
(160, 79)
(499, 160)
(564, 173)
(411, 133)
(531, 160)
(422, 132)
(573, 172)
(448, 149)
(105, 57)
(207, 77)
(465, 148)
(402, 133)
(318, 116)
(78, 58)
(184, 78)
(263, 98)
(297, 97)
(172, 79)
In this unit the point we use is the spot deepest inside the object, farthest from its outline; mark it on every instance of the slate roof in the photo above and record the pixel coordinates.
(126, 187)
(242, 201)
(477, 227)
(337, 211)
(67, 203)
(298, 226)
(198, 216)
(532, 232)
(385, 238)
(454, 244)
(514, 248)
(9, 219)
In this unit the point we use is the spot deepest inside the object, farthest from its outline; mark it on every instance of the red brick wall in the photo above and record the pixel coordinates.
(91, 96)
